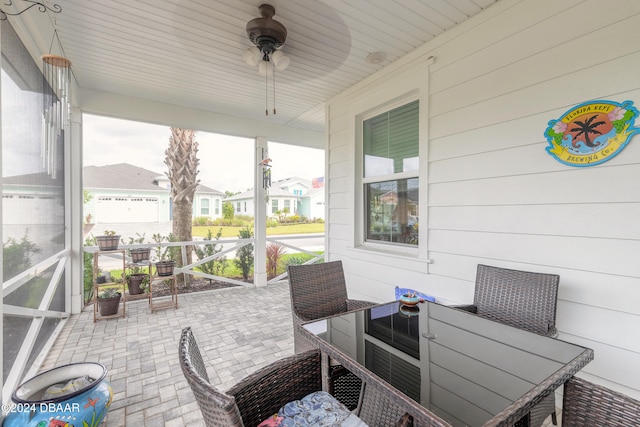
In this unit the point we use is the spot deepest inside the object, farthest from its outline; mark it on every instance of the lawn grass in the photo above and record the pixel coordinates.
(229, 232)
(297, 258)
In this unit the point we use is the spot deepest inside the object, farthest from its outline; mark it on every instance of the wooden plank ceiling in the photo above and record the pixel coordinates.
(189, 52)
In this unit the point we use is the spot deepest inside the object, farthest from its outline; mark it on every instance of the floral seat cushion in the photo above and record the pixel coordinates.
(316, 409)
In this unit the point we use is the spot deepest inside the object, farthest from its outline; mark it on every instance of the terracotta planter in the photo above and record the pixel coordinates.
(140, 254)
(165, 268)
(109, 306)
(135, 280)
(108, 243)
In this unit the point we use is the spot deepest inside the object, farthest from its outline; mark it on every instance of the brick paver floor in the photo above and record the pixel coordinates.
(238, 330)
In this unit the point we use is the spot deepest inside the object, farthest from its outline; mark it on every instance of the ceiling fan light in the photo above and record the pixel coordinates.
(264, 68)
(280, 60)
(251, 56)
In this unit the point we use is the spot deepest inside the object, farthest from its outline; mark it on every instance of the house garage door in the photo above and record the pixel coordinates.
(126, 209)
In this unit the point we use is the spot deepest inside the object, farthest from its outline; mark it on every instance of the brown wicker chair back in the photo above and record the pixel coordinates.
(255, 398)
(587, 404)
(320, 290)
(317, 290)
(523, 299)
(218, 408)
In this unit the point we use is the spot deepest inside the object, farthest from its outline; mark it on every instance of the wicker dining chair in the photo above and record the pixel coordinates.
(586, 404)
(317, 291)
(523, 299)
(255, 398)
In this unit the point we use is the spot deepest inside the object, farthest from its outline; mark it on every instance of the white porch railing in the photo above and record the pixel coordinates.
(280, 241)
(190, 269)
(38, 316)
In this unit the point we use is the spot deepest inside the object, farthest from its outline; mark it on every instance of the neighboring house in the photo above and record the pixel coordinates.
(311, 204)
(127, 193)
(295, 193)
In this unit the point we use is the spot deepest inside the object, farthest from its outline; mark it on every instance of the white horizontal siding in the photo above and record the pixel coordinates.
(589, 254)
(495, 196)
(488, 72)
(576, 185)
(591, 220)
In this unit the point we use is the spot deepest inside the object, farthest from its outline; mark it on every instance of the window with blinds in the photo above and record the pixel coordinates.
(391, 188)
(204, 207)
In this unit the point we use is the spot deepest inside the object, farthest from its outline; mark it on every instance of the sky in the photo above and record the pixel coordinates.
(226, 162)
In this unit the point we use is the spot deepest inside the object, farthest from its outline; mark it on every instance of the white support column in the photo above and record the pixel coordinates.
(260, 214)
(2, 399)
(75, 280)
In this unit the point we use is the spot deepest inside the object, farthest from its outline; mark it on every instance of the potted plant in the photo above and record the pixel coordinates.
(101, 277)
(140, 254)
(137, 281)
(165, 263)
(109, 301)
(165, 267)
(108, 242)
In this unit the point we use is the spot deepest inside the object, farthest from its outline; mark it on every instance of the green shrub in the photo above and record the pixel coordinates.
(88, 270)
(294, 218)
(271, 223)
(227, 210)
(16, 256)
(294, 260)
(237, 222)
(215, 266)
(201, 221)
(244, 255)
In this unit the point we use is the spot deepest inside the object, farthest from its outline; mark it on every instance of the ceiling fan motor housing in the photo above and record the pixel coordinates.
(265, 32)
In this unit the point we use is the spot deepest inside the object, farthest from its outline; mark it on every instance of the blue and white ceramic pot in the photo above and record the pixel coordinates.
(74, 395)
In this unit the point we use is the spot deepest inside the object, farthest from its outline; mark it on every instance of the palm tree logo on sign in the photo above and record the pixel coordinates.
(592, 132)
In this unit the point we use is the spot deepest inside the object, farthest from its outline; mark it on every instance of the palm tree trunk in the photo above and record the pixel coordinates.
(182, 162)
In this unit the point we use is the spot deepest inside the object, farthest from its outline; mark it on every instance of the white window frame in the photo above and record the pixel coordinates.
(360, 208)
(204, 202)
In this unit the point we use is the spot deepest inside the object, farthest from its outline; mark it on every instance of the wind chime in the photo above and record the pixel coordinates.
(266, 171)
(56, 84)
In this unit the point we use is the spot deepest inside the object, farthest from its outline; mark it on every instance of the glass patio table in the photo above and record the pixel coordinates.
(447, 364)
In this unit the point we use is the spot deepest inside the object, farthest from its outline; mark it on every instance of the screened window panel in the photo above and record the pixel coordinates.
(30, 294)
(14, 331)
(33, 202)
(391, 141)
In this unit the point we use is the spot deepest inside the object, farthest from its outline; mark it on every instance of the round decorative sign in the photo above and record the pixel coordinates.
(591, 133)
